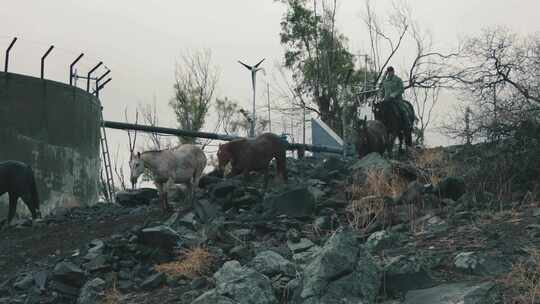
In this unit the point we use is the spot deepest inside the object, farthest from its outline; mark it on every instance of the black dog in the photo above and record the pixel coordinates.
(17, 179)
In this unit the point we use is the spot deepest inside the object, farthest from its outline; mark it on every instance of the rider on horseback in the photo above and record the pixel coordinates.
(392, 91)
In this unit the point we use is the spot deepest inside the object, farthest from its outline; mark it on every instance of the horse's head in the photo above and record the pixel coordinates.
(378, 110)
(224, 156)
(362, 140)
(136, 166)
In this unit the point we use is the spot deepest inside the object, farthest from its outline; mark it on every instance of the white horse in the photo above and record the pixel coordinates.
(181, 165)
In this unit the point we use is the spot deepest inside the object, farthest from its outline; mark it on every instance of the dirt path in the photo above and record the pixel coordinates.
(27, 247)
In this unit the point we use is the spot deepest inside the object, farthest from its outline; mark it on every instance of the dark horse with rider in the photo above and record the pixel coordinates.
(394, 117)
(393, 111)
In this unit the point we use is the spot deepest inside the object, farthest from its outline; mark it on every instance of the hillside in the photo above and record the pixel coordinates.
(445, 225)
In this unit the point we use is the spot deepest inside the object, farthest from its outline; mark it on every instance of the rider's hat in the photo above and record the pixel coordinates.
(390, 69)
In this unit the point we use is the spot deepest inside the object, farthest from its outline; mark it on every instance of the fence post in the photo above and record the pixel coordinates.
(7, 53)
(89, 74)
(71, 68)
(43, 60)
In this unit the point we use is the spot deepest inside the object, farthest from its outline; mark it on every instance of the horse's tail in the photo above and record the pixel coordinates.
(281, 163)
(34, 195)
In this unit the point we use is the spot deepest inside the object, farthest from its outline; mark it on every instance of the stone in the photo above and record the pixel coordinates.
(464, 293)
(69, 274)
(213, 297)
(160, 236)
(405, 273)
(342, 272)
(154, 281)
(98, 263)
(412, 194)
(136, 197)
(452, 187)
(188, 220)
(293, 235)
(92, 292)
(431, 224)
(65, 288)
(240, 252)
(480, 264)
(372, 162)
(381, 240)
(125, 285)
(205, 210)
(302, 245)
(325, 222)
(24, 282)
(224, 188)
(237, 284)
(296, 203)
(271, 263)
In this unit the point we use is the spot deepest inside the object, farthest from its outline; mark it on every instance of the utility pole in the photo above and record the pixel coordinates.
(269, 117)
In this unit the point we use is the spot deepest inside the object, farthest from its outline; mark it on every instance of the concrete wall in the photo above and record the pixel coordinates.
(54, 128)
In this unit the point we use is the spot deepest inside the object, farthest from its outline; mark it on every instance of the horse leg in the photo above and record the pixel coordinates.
(12, 206)
(266, 178)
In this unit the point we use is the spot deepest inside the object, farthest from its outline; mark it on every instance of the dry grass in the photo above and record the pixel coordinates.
(112, 295)
(194, 262)
(429, 158)
(379, 184)
(523, 281)
(367, 205)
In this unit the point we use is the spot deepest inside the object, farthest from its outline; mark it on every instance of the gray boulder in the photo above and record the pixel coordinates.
(371, 162)
(381, 240)
(343, 272)
(477, 263)
(296, 203)
(405, 273)
(240, 285)
(69, 274)
(463, 293)
(92, 292)
(271, 263)
(160, 236)
(136, 197)
(452, 187)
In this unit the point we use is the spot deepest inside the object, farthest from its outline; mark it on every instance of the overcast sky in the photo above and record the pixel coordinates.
(140, 41)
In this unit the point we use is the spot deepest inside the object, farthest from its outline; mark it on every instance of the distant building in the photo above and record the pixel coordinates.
(323, 135)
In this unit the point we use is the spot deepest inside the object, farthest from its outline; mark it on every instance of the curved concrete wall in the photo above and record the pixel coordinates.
(55, 128)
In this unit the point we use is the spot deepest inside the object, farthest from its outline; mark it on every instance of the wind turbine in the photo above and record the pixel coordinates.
(254, 69)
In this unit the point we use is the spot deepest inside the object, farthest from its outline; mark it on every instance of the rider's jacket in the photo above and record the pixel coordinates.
(392, 88)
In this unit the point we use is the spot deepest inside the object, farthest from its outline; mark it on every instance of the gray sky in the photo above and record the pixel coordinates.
(141, 40)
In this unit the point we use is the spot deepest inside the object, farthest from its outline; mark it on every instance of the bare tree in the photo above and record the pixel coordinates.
(424, 101)
(497, 76)
(155, 141)
(132, 141)
(195, 83)
(119, 170)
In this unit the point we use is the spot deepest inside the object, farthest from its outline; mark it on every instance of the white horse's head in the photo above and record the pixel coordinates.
(136, 166)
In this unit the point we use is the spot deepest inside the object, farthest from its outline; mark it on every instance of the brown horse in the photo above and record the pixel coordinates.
(246, 155)
(372, 136)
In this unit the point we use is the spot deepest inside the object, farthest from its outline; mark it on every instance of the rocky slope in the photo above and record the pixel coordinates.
(341, 231)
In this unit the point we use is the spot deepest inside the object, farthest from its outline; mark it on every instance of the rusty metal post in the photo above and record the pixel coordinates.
(99, 79)
(89, 74)
(102, 86)
(71, 68)
(43, 60)
(7, 53)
